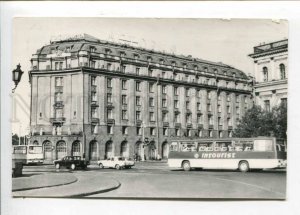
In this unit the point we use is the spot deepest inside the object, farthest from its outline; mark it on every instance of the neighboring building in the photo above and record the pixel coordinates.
(98, 99)
(271, 72)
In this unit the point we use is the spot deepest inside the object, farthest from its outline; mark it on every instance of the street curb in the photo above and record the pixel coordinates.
(33, 188)
(94, 192)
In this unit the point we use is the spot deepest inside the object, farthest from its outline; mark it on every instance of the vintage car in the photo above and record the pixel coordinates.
(116, 162)
(71, 162)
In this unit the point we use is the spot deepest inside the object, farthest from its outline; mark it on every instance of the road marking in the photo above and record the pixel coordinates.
(250, 185)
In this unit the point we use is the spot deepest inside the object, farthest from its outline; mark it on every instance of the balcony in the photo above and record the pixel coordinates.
(58, 104)
(177, 124)
(57, 120)
(110, 105)
(200, 126)
(211, 126)
(95, 120)
(230, 127)
(59, 89)
(94, 104)
(165, 124)
(220, 127)
(93, 88)
(110, 121)
(189, 125)
(124, 106)
(164, 109)
(139, 122)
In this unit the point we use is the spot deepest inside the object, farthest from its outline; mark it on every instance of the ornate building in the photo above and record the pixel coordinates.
(270, 72)
(98, 99)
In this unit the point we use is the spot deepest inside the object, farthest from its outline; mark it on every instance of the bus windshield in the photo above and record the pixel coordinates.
(35, 150)
(19, 150)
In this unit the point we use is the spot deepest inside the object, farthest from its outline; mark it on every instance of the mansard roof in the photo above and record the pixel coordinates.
(85, 42)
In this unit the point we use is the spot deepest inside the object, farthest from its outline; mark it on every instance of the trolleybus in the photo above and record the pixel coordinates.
(228, 153)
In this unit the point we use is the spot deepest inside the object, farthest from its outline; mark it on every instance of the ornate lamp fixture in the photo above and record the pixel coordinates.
(16, 76)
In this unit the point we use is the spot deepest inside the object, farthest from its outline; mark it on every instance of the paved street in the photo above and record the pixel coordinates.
(156, 180)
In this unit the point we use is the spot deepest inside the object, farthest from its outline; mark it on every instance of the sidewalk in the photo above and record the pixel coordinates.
(29, 182)
(83, 186)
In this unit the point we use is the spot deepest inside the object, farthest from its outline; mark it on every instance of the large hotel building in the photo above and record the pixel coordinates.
(99, 99)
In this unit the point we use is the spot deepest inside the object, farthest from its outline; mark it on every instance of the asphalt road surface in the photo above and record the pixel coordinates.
(155, 180)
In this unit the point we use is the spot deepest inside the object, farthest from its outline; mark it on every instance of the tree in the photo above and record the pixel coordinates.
(15, 139)
(258, 122)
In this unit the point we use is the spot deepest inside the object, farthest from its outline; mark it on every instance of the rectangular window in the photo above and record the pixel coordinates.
(219, 121)
(109, 114)
(199, 119)
(109, 85)
(284, 102)
(164, 89)
(109, 97)
(187, 92)
(124, 99)
(177, 118)
(198, 106)
(165, 131)
(152, 119)
(58, 81)
(208, 95)
(124, 114)
(138, 130)
(60, 65)
(92, 49)
(150, 72)
(93, 64)
(151, 102)
(138, 115)
(124, 84)
(163, 74)
(94, 112)
(228, 109)
(164, 103)
(177, 132)
(137, 86)
(219, 109)
(151, 87)
(176, 104)
(176, 91)
(187, 105)
(164, 117)
(109, 129)
(267, 105)
(188, 118)
(93, 81)
(138, 101)
(123, 69)
(209, 107)
(152, 131)
(137, 71)
(58, 97)
(210, 120)
(237, 99)
(109, 66)
(94, 96)
(124, 130)
(229, 122)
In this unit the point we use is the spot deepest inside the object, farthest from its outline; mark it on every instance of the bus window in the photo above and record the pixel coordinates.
(35, 150)
(188, 147)
(205, 146)
(222, 146)
(174, 147)
(263, 145)
(247, 145)
(20, 150)
(280, 145)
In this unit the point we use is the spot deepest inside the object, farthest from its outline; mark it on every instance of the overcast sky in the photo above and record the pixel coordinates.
(227, 41)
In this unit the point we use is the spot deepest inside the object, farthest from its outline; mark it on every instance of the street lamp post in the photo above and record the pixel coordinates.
(16, 76)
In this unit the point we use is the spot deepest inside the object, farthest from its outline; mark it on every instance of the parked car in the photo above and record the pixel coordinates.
(72, 162)
(116, 162)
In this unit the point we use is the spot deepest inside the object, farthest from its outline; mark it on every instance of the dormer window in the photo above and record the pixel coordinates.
(136, 56)
(205, 69)
(161, 61)
(92, 49)
(215, 71)
(184, 66)
(224, 73)
(149, 59)
(173, 63)
(233, 74)
(195, 67)
(107, 51)
(122, 54)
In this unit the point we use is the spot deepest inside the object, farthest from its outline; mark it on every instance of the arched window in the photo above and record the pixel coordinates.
(282, 71)
(124, 149)
(265, 73)
(61, 149)
(76, 148)
(165, 150)
(36, 143)
(109, 149)
(93, 150)
(47, 149)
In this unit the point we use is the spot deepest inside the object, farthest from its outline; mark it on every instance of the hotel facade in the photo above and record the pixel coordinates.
(271, 74)
(99, 99)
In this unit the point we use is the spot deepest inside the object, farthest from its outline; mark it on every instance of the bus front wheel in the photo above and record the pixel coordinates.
(244, 166)
(186, 166)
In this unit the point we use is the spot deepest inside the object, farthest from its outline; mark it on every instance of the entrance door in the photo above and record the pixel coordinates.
(124, 149)
(47, 149)
(93, 150)
(138, 151)
(76, 149)
(165, 150)
(109, 149)
(61, 149)
(152, 150)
